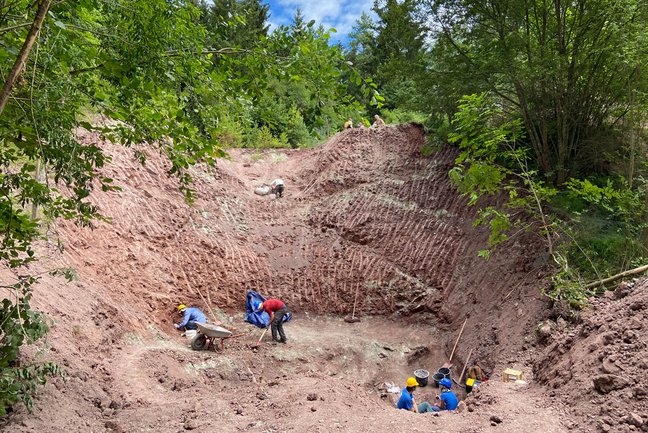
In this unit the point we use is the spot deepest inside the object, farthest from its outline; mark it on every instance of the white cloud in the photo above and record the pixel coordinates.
(339, 14)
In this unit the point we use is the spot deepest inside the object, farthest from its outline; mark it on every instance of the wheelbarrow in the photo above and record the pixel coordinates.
(207, 335)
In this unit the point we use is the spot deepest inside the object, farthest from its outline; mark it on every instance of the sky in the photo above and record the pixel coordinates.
(339, 14)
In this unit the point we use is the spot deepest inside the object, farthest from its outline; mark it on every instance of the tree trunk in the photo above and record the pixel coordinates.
(24, 52)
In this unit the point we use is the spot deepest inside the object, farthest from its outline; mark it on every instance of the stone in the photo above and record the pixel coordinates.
(496, 419)
(609, 367)
(113, 427)
(544, 330)
(634, 419)
(191, 424)
(311, 397)
(605, 383)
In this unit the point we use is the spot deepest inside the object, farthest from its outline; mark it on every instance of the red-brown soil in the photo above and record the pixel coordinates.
(365, 221)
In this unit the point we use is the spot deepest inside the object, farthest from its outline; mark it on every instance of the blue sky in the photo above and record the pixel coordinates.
(340, 14)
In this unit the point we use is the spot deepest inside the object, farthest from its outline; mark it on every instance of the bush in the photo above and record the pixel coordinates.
(262, 138)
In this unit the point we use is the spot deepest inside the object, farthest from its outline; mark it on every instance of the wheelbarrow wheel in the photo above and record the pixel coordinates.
(199, 342)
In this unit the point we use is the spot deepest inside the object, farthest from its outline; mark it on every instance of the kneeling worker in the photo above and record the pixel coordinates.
(448, 400)
(406, 400)
(192, 316)
(277, 187)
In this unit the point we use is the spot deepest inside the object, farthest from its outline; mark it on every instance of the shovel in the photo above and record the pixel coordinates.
(260, 338)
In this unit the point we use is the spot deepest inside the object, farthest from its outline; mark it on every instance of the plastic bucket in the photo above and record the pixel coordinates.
(437, 377)
(445, 372)
(422, 377)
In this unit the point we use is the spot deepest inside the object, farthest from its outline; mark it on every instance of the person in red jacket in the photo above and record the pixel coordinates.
(277, 310)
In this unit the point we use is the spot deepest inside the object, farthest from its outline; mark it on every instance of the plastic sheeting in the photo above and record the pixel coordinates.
(260, 319)
(262, 190)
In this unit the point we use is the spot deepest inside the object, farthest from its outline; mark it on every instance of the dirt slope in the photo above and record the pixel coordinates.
(365, 221)
(597, 369)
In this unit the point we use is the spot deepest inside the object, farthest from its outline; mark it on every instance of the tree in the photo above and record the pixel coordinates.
(398, 52)
(567, 67)
(64, 66)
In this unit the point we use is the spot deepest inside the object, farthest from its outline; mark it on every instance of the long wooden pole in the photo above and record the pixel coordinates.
(355, 301)
(216, 321)
(457, 342)
(463, 370)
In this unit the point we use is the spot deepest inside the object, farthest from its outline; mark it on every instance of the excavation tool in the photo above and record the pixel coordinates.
(260, 338)
(353, 318)
(465, 365)
(457, 342)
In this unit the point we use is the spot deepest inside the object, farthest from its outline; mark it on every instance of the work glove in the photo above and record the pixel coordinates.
(177, 326)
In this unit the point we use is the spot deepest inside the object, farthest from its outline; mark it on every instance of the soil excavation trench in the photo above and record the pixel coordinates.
(367, 225)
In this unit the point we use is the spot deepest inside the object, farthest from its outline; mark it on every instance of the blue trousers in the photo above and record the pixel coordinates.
(427, 407)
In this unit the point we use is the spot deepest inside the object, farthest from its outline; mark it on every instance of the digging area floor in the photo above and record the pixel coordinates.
(329, 377)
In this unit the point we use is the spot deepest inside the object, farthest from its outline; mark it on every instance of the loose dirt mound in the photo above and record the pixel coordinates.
(366, 223)
(598, 369)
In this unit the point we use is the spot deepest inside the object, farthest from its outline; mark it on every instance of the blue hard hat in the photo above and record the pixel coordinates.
(446, 382)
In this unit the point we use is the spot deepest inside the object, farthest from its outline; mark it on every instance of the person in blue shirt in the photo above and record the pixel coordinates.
(192, 316)
(406, 400)
(448, 399)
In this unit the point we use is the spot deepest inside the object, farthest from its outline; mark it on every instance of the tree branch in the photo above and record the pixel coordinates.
(17, 26)
(24, 53)
(604, 281)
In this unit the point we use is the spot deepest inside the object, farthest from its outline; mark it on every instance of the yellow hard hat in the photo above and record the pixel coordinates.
(182, 307)
(411, 381)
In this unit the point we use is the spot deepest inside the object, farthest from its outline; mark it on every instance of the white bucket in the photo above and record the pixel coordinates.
(190, 334)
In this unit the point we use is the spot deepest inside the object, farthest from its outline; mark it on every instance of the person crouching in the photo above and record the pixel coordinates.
(406, 400)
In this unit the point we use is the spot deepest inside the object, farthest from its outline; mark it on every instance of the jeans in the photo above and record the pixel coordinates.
(427, 407)
(277, 325)
(191, 325)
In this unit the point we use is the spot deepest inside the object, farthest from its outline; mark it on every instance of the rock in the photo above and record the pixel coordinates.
(561, 323)
(311, 397)
(633, 419)
(115, 405)
(496, 419)
(191, 424)
(605, 383)
(113, 427)
(313, 409)
(108, 412)
(622, 290)
(493, 423)
(609, 367)
(544, 330)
